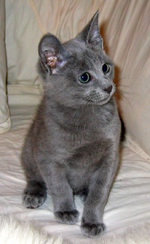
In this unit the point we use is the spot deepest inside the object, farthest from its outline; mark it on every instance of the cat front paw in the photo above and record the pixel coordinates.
(92, 230)
(34, 197)
(67, 217)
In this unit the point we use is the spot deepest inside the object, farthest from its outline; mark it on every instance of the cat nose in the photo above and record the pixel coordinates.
(108, 89)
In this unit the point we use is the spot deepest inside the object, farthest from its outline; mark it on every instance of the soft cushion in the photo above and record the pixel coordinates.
(22, 38)
(129, 44)
(4, 111)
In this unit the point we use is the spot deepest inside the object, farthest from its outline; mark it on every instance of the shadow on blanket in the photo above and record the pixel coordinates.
(135, 234)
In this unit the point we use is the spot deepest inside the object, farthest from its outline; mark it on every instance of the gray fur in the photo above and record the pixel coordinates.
(73, 143)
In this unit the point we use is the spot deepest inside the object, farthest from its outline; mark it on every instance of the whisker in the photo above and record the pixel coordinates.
(123, 96)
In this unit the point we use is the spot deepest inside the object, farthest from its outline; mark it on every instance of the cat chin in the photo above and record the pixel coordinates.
(103, 102)
(99, 102)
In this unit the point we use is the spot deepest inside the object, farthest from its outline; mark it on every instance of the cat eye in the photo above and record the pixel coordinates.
(85, 77)
(105, 68)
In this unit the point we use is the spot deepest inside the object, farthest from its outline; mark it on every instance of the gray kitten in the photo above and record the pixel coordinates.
(73, 143)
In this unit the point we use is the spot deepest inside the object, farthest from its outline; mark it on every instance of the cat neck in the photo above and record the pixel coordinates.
(82, 117)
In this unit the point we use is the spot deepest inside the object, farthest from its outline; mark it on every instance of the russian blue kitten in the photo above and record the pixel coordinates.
(73, 143)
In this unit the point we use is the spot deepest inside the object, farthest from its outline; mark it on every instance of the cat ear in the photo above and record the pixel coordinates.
(52, 53)
(90, 34)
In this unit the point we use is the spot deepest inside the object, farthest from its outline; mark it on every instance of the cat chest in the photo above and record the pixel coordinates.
(82, 164)
(87, 157)
(82, 149)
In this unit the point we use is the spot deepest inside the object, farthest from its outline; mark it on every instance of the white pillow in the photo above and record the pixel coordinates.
(4, 111)
(22, 38)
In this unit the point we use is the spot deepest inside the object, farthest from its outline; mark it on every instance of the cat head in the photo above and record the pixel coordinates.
(77, 72)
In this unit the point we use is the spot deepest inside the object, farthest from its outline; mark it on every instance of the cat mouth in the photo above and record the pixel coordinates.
(98, 101)
(97, 98)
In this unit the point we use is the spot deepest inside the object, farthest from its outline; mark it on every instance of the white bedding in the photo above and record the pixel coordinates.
(127, 213)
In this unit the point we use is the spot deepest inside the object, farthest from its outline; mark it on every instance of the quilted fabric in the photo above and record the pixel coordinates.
(4, 110)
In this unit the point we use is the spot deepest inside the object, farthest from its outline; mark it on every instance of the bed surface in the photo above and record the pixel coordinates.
(128, 206)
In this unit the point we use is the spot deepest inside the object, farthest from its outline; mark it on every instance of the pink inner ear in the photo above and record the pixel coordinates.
(51, 61)
(51, 58)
